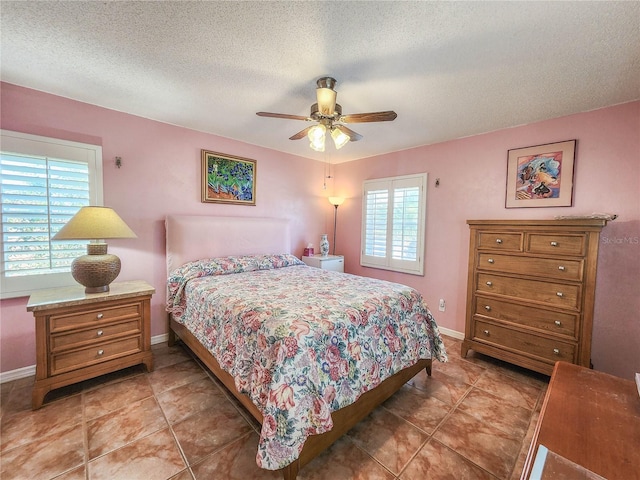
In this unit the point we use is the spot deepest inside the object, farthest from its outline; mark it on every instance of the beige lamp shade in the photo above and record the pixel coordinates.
(336, 201)
(96, 270)
(91, 223)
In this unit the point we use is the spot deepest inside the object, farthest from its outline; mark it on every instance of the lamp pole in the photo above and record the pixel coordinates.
(335, 224)
(336, 202)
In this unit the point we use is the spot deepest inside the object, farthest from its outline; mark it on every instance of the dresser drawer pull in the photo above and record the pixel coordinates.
(556, 351)
(100, 353)
(560, 294)
(487, 308)
(99, 333)
(491, 260)
(486, 332)
(99, 316)
(561, 268)
(489, 284)
(498, 241)
(558, 323)
(554, 244)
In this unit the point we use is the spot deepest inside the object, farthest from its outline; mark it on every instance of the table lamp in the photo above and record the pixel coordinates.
(96, 270)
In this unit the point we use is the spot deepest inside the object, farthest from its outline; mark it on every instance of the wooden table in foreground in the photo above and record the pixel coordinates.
(591, 419)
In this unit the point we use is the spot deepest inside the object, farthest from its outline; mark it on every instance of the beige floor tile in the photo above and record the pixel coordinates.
(154, 457)
(46, 457)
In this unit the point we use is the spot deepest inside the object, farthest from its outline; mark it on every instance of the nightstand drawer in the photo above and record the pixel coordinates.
(556, 244)
(98, 316)
(101, 352)
(74, 338)
(549, 349)
(539, 267)
(559, 294)
(511, 242)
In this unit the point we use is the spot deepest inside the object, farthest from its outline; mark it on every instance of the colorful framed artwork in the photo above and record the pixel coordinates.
(228, 179)
(541, 176)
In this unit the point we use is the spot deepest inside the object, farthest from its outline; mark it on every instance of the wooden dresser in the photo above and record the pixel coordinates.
(82, 335)
(531, 290)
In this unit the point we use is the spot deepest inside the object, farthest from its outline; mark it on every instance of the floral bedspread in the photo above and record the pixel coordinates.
(301, 342)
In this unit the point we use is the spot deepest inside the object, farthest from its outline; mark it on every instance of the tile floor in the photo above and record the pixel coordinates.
(473, 419)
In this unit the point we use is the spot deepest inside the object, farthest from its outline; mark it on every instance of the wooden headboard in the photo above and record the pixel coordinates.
(193, 237)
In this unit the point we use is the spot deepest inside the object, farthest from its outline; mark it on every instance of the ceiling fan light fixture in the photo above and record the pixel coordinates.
(326, 95)
(316, 137)
(326, 100)
(339, 138)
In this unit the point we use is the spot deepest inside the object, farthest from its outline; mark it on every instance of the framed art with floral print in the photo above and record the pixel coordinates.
(541, 176)
(228, 179)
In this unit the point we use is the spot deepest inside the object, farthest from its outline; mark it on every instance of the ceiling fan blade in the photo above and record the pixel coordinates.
(353, 136)
(281, 115)
(301, 134)
(387, 116)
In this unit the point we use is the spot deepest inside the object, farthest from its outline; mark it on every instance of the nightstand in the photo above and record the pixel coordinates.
(83, 335)
(330, 262)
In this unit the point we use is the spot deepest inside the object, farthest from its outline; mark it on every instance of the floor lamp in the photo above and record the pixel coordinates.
(336, 202)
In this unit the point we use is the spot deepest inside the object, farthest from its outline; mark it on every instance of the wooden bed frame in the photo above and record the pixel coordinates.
(240, 237)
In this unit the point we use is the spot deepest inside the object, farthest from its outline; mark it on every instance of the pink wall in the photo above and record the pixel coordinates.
(160, 175)
(472, 186)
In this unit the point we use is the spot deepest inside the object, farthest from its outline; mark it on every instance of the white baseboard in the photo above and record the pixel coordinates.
(451, 333)
(24, 372)
(17, 374)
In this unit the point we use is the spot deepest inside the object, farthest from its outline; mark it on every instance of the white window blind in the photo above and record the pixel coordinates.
(43, 183)
(393, 227)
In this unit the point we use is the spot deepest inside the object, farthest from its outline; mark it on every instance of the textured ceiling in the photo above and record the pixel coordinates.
(449, 69)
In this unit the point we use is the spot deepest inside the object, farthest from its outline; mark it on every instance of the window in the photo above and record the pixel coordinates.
(393, 223)
(43, 183)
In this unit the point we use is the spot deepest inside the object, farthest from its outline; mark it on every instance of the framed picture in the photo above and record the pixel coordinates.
(228, 179)
(541, 176)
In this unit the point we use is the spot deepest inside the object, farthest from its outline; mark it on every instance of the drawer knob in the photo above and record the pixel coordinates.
(556, 351)
(491, 260)
(486, 332)
(560, 294)
(554, 244)
(487, 308)
(498, 241)
(100, 352)
(561, 268)
(489, 284)
(99, 333)
(558, 322)
(99, 316)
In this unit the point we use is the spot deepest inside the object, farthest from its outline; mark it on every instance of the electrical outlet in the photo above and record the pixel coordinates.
(441, 305)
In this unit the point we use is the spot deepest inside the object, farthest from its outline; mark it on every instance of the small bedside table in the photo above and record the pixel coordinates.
(83, 335)
(330, 262)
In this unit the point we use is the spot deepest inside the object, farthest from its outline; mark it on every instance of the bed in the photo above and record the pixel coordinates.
(308, 352)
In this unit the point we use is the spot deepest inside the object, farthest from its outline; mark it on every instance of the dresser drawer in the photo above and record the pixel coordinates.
(508, 242)
(539, 267)
(98, 316)
(98, 353)
(73, 339)
(550, 321)
(524, 342)
(552, 293)
(550, 243)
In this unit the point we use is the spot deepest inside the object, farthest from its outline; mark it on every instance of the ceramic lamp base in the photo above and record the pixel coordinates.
(96, 270)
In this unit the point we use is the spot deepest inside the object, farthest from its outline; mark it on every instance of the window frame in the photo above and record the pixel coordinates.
(387, 262)
(39, 146)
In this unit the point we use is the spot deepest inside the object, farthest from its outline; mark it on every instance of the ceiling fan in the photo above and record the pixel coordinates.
(328, 115)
